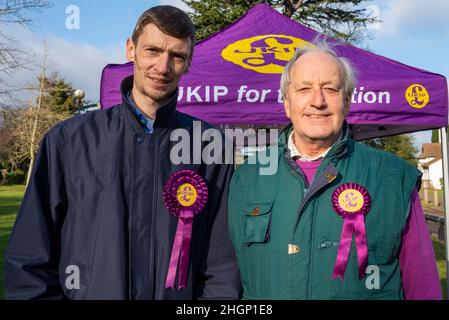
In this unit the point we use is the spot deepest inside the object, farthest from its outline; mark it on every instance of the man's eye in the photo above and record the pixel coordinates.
(304, 90)
(331, 90)
(180, 58)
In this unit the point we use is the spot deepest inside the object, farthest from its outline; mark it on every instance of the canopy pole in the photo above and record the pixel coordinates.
(444, 140)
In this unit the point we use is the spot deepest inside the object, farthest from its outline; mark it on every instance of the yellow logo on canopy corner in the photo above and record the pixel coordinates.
(351, 200)
(265, 53)
(417, 96)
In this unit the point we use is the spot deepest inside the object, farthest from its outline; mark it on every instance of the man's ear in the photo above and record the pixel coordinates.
(347, 103)
(287, 107)
(130, 50)
(187, 67)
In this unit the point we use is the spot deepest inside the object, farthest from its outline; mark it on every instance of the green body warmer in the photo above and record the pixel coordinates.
(286, 234)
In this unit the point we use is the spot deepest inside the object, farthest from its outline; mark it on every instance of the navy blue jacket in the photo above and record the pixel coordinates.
(95, 202)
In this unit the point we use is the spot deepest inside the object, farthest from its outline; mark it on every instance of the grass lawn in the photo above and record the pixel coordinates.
(441, 263)
(11, 196)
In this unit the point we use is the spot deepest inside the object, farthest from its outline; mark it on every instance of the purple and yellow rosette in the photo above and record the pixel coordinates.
(352, 202)
(185, 195)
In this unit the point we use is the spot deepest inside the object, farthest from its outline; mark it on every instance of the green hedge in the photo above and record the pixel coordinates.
(16, 177)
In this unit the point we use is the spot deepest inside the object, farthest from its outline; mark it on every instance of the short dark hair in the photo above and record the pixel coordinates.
(170, 20)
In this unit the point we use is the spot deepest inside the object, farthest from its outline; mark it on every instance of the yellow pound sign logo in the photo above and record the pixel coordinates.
(351, 200)
(417, 96)
(186, 195)
(264, 54)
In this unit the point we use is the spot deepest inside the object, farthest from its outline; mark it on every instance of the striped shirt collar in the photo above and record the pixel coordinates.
(145, 122)
(295, 154)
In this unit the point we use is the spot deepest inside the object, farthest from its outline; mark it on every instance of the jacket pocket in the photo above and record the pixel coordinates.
(256, 221)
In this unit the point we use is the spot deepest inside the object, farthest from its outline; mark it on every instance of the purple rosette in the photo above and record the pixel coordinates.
(352, 202)
(185, 195)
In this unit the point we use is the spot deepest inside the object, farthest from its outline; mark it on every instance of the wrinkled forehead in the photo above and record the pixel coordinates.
(316, 66)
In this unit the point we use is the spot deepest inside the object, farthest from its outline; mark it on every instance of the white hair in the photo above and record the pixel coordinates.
(348, 77)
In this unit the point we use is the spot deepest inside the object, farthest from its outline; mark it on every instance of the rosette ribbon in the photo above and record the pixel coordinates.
(185, 195)
(352, 202)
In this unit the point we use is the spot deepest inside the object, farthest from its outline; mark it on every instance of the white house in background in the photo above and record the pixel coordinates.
(431, 165)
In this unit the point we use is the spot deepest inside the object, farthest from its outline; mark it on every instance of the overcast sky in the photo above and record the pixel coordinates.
(414, 32)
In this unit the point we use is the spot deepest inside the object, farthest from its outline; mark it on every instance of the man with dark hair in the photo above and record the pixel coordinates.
(106, 214)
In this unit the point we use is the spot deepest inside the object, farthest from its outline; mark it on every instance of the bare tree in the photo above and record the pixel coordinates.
(7, 128)
(14, 11)
(30, 125)
(27, 125)
(32, 139)
(12, 57)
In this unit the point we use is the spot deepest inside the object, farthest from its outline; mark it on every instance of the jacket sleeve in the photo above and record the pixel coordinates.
(222, 273)
(419, 271)
(32, 254)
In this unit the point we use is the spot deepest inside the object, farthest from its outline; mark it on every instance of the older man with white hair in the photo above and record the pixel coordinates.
(338, 220)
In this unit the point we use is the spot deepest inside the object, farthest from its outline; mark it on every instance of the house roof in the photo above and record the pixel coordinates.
(432, 162)
(430, 150)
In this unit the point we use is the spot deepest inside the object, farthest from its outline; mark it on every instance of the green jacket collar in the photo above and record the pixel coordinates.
(338, 150)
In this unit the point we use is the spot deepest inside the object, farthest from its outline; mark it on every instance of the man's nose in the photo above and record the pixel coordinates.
(318, 99)
(163, 64)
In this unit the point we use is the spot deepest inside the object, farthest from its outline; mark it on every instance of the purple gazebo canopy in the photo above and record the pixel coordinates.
(234, 79)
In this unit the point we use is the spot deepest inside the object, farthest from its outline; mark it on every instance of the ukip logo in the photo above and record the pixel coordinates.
(186, 194)
(351, 200)
(264, 54)
(417, 96)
